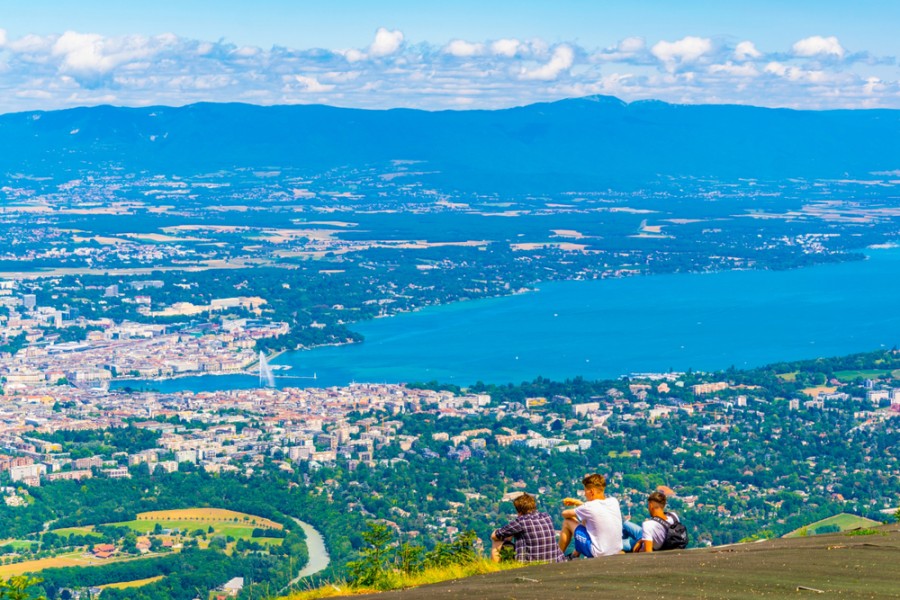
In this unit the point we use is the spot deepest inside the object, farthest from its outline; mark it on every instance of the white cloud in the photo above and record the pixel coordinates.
(92, 54)
(562, 60)
(630, 45)
(746, 50)
(386, 42)
(354, 55)
(2, 37)
(684, 51)
(776, 68)
(82, 52)
(246, 51)
(873, 85)
(463, 49)
(30, 44)
(796, 74)
(311, 84)
(819, 46)
(63, 70)
(624, 51)
(505, 47)
(728, 68)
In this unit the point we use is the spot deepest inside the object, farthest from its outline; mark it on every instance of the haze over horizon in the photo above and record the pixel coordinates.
(808, 55)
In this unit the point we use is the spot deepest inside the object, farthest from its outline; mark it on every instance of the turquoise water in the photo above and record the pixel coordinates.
(604, 329)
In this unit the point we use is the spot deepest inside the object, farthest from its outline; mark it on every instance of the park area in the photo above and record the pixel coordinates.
(213, 521)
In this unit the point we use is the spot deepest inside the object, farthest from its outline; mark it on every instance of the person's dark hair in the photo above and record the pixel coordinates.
(595, 481)
(657, 497)
(525, 504)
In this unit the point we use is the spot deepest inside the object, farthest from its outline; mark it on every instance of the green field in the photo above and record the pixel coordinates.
(66, 531)
(844, 521)
(19, 544)
(236, 530)
(870, 374)
(223, 522)
(789, 377)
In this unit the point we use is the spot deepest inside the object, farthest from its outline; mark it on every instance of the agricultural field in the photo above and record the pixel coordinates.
(122, 585)
(843, 521)
(69, 559)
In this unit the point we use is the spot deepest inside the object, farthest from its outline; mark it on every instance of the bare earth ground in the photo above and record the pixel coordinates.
(840, 565)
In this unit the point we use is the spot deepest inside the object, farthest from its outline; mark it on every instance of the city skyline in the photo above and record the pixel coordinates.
(454, 56)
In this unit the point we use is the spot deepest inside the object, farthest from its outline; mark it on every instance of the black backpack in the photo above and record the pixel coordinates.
(676, 534)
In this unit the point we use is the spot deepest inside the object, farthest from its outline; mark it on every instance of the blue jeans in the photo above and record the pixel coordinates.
(631, 535)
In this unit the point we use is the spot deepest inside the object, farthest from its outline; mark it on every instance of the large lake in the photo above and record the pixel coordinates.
(604, 329)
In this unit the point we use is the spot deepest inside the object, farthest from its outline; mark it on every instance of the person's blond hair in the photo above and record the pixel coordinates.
(594, 481)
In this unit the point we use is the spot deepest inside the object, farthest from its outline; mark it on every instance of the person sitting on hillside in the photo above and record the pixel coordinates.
(657, 531)
(531, 531)
(595, 525)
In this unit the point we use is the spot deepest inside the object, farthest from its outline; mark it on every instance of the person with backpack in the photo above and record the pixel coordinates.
(663, 530)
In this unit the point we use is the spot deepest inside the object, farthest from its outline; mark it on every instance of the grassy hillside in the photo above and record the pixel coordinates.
(843, 521)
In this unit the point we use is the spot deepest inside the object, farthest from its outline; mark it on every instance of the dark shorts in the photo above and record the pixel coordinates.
(583, 542)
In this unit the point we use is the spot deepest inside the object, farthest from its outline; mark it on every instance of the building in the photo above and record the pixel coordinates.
(104, 550)
(709, 388)
(29, 301)
(7, 462)
(70, 475)
(27, 473)
(118, 473)
(876, 396)
(233, 587)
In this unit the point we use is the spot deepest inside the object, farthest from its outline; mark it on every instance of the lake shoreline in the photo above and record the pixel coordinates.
(608, 328)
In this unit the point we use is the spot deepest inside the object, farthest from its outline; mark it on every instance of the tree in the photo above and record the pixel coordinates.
(371, 569)
(16, 588)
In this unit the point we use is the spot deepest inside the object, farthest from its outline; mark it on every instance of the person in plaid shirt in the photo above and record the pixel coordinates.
(532, 532)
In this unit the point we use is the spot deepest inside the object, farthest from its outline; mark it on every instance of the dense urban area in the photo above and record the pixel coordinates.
(743, 455)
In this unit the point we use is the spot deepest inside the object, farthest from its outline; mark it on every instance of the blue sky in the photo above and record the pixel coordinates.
(438, 55)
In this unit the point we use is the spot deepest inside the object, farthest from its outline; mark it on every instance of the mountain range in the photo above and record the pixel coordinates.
(580, 144)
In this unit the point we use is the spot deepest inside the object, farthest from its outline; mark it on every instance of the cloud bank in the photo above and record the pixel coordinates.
(390, 70)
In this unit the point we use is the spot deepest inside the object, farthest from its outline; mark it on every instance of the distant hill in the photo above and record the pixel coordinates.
(580, 144)
(841, 522)
(849, 566)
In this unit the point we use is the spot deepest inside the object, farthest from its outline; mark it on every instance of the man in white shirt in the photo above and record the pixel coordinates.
(653, 532)
(595, 525)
